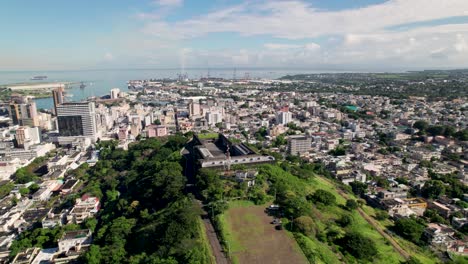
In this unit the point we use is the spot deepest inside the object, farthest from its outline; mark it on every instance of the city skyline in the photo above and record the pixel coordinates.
(336, 35)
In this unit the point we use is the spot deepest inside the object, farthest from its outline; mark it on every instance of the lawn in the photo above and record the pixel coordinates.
(252, 239)
(207, 135)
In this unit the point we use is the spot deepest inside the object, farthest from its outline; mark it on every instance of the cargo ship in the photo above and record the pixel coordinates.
(39, 78)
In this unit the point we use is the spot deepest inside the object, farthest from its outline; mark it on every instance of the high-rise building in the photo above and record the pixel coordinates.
(24, 113)
(299, 144)
(77, 119)
(114, 93)
(283, 118)
(58, 95)
(194, 109)
(214, 117)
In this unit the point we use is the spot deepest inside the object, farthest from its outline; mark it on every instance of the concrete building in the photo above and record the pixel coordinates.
(58, 95)
(26, 136)
(298, 145)
(156, 131)
(114, 93)
(72, 239)
(222, 153)
(194, 109)
(24, 114)
(84, 208)
(283, 118)
(123, 132)
(77, 119)
(214, 117)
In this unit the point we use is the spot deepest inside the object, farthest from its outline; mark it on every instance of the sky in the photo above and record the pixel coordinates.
(371, 35)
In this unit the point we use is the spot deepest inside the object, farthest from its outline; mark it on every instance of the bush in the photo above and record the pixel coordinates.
(324, 197)
(358, 246)
(345, 220)
(351, 204)
(305, 225)
(381, 215)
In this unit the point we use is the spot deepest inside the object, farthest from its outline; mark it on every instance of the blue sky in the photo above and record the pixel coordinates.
(332, 34)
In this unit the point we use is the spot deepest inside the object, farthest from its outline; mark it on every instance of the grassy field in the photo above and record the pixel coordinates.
(359, 224)
(325, 220)
(207, 135)
(252, 239)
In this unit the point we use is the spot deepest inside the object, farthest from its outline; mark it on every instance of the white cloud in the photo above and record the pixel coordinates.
(108, 56)
(312, 46)
(276, 46)
(298, 20)
(461, 44)
(169, 3)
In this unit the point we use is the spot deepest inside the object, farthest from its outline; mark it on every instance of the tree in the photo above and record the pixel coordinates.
(358, 246)
(351, 204)
(5, 189)
(436, 130)
(93, 255)
(359, 188)
(434, 217)
(449, 131)
(305, 225)
(324, 197)
(462, 135)
(279, 141)
(421, 125)
(23, 175)
(24, 191)
(381, 215)
(432, 189)
(338, 151)
(261, 133)
(410, 229)
(345, 220)
(34, 188)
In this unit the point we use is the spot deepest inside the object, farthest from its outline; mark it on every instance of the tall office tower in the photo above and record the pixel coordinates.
(299, 144)
(77, 119)
(59, 97)
(194, 108)
(213, 117)
(114, 93)
(283, 118)
(24, 113)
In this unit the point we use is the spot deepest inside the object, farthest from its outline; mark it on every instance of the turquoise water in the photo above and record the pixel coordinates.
(99, 82)
(352, 107)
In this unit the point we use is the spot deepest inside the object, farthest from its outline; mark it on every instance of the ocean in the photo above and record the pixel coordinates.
(99, 82)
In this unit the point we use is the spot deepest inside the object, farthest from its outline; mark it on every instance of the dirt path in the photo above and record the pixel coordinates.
(216, 248)
(374, 224)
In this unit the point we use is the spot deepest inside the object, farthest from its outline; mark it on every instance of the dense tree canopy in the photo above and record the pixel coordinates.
(410, 229)
(146, 216)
